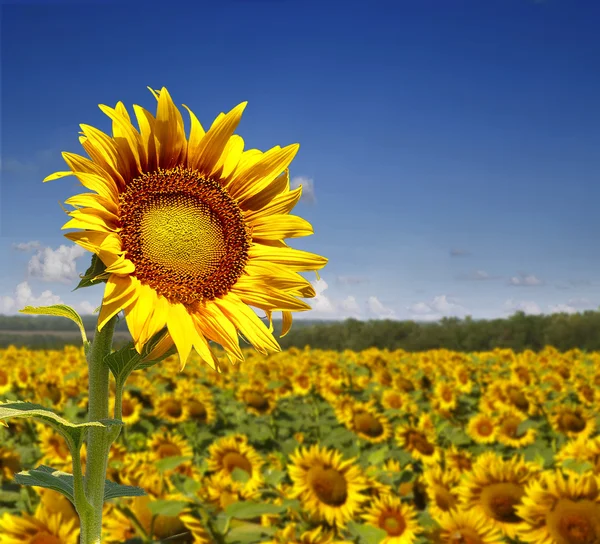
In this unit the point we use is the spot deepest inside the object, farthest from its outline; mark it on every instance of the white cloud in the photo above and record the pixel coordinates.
(321, 303)
(438, 307)
(525, 280)
(27, 246)
(477, 275)
(375, 307)
(23, 296)
(350, 307)
(526, 306)
(562, 309)
(55, 265)
(85, 308)
(308, 188)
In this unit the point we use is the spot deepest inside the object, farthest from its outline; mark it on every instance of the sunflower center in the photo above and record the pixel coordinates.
(421, 444)
(518, 399)
(233, 460)
(45, 538)
(197, 410)
(572, 422)
(485, 428)
(185, 235)
(510, 426)
(173, 408)
(167, 450)
(444, 499)
(256, 400)
(499, 501)
(368, 424)
(392, 522)
(575, 522)
(329, 485)
(3, 377)
(127, 409)
(447, 395)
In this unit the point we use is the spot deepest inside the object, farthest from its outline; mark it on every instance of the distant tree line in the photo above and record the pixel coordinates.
(518, 332)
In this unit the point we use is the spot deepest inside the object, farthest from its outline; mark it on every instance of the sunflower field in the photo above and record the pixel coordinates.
(322, 447)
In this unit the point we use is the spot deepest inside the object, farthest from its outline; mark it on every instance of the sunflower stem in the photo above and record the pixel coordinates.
(99, 438)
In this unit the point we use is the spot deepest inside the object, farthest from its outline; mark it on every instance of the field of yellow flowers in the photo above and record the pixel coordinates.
(321, 447)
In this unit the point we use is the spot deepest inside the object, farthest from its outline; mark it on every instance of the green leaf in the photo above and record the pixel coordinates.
(577, 466)
(71, 432)
(248, 533)
(274, 477)
(113, 490)
(48, 478)
(95, 274)
(61, 310)
(170, 463)
(239, 475)
(166, 507)
(377, 457)
(251, 510)
(366, 534)
(191, 486)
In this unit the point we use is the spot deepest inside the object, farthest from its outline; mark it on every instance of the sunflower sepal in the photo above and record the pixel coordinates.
(95, 274)
(62, 310)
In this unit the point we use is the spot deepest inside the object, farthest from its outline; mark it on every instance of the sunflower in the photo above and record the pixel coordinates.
(231, 452)
(580, 449)
(190, 230)
(41, 528)
(563, 509)
(201, 407)
(495, 487)
(465, 527)
(440, 486)
(163, 444)
(397, 519)
(573, 420)
(221, 490)
(420, 443)
(328, 487)
(10, 463)
(365, 420)
(6, 382)
(257, 399)
(171, 408)
(482, 429)
(139, 469)
(131, 408)
(445, 396)
(507, 427)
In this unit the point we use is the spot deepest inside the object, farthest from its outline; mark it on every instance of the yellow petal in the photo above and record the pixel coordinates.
(229, 159)
(294, 259)
(286, 323)
(181, 330)
(104, 151)
(162, 346)
(146, 122)
(215, 326)
(260, 175)
(169, 132)
(92, 176)
(213, 144)
(276, 227)
(92, 200)
(124, 130)
(278, 188)
(119, 293)
(147, 316)
(247, 322)
(196, 134)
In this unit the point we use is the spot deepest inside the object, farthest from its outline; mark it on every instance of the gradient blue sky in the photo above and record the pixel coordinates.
(450, 150)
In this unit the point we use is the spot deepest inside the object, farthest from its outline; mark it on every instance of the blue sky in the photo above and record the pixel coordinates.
(449, 150)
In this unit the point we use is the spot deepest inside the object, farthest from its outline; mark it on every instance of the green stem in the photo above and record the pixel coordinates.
(98, 440)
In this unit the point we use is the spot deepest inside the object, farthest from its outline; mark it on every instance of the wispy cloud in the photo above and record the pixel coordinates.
(308, 188)
(525, 280)
(529, 307)
(351, 280)
(477, 275)
(378, 309)
(438, 307)
(27, 246)
(457, 252)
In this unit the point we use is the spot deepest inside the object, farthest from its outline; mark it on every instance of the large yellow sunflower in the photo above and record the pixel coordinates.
(396, 518)
(42, 528)
(466, 527)
(328, 487)
(561, 509)
(190, 229)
